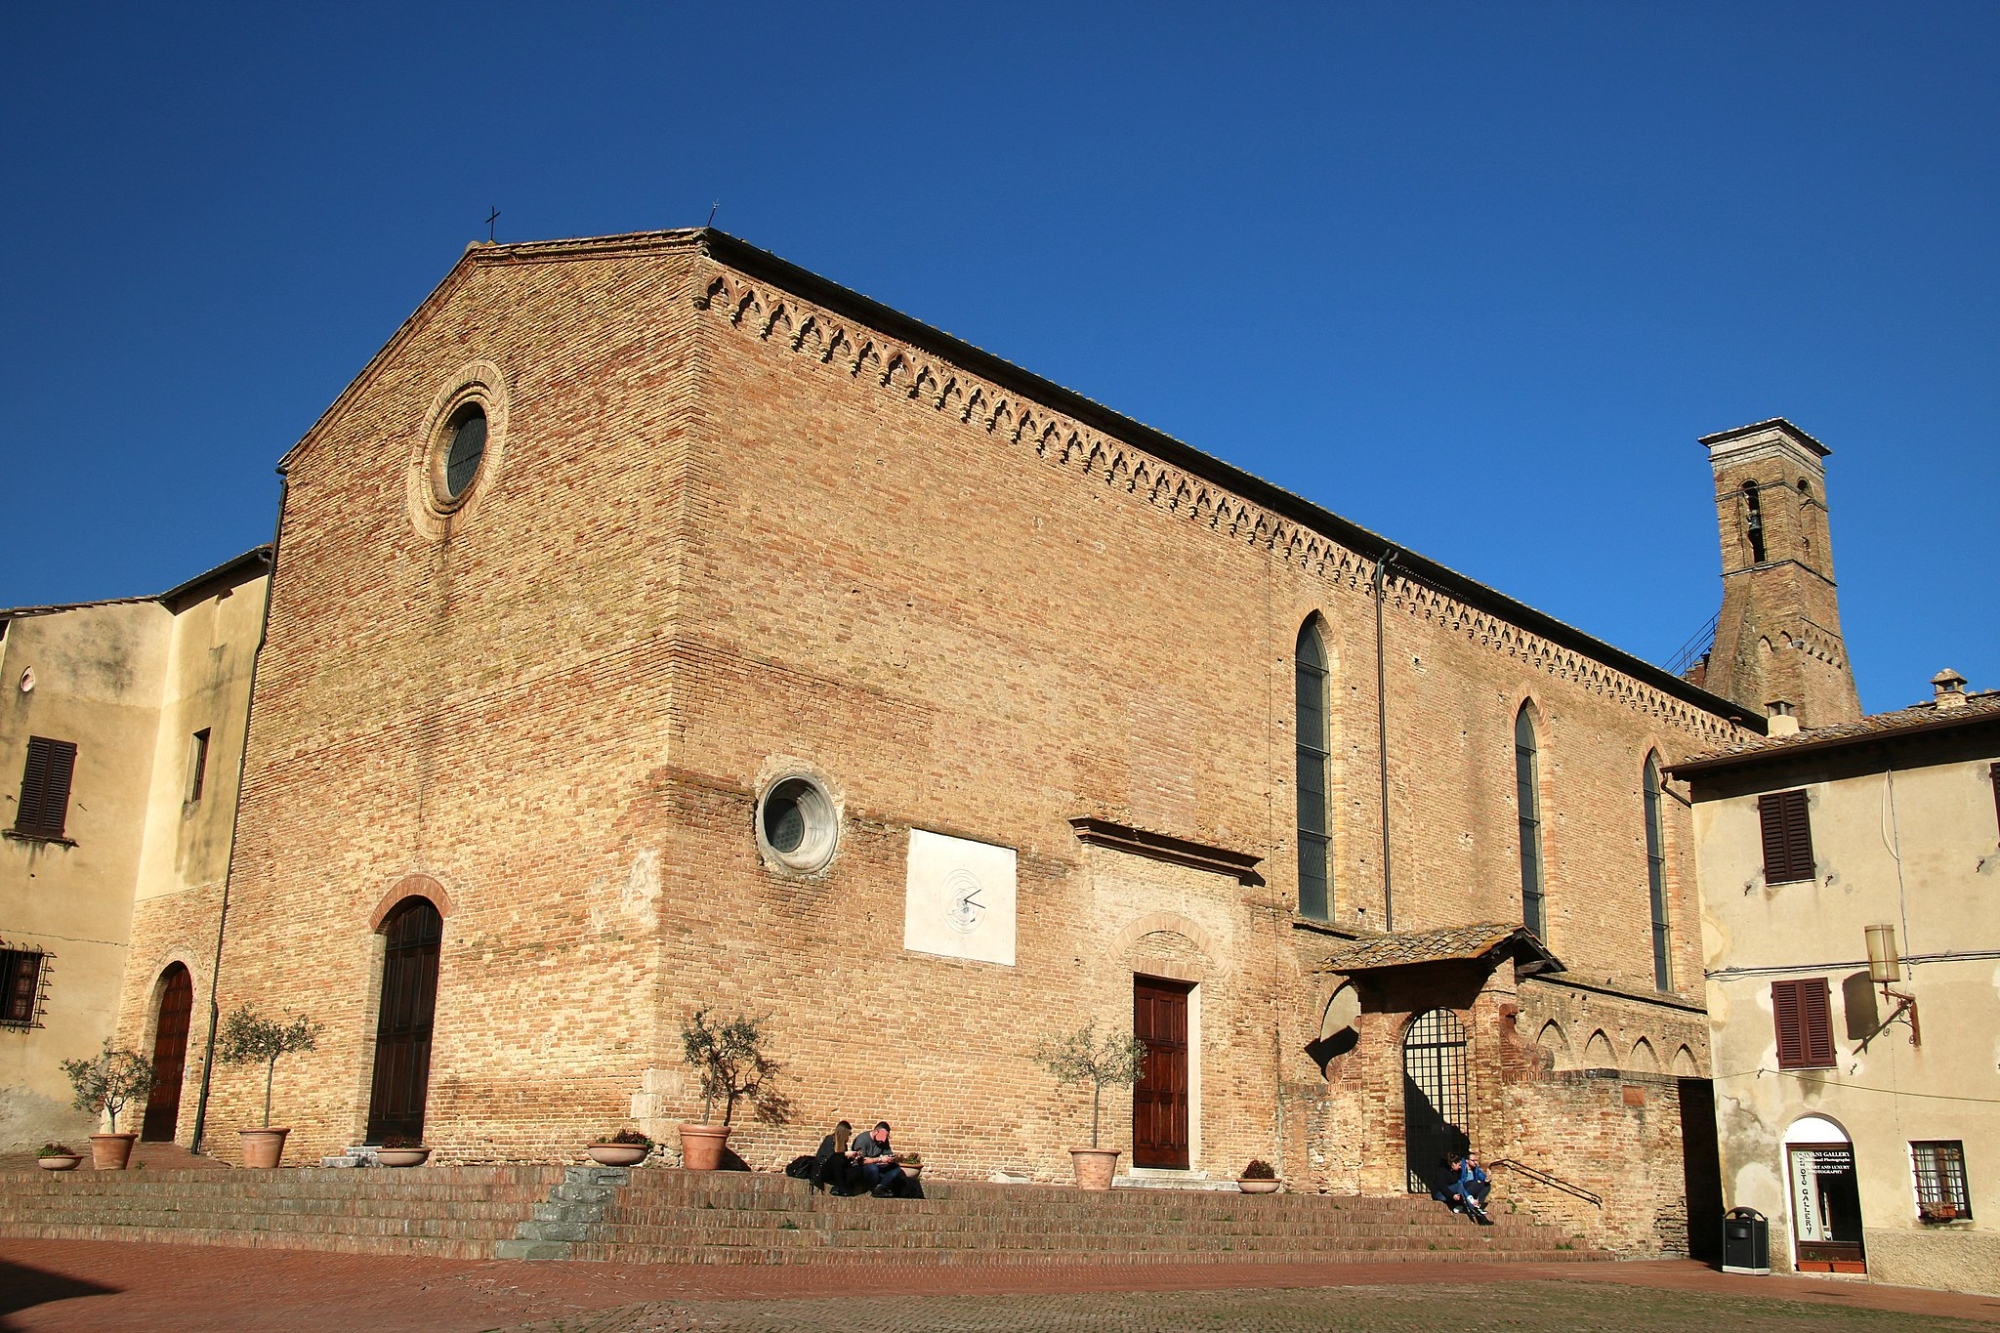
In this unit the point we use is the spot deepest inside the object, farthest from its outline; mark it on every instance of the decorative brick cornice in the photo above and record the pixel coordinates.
(774, 316)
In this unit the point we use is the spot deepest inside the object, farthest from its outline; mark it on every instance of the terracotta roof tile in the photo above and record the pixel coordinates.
(1449, 944)
(1982, 706)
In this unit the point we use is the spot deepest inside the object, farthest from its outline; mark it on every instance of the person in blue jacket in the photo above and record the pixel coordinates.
(1465, 1187)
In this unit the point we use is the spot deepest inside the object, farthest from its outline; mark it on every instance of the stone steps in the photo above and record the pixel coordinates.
(670, 1216)
(459, 1212)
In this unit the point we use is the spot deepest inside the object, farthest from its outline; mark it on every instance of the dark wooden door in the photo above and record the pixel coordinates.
(1160, 1097)
(170, 1044)
(403, 1032)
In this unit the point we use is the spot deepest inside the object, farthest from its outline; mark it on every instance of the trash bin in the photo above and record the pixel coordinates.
(1746, 1242)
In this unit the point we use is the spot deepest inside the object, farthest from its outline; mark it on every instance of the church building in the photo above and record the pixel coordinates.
(656, 626)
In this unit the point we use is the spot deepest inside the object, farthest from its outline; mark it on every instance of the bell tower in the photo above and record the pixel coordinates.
(1778, 647)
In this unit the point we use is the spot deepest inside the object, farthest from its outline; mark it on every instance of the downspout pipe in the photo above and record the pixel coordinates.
(235, 819)
(1382, 562)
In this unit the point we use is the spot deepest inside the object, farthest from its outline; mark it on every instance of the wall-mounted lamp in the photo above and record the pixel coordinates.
(1885, 967)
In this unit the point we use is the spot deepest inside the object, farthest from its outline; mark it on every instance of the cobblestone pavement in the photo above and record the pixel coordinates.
(62, 1285)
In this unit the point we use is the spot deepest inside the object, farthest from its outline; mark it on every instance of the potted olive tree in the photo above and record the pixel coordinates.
(104, 1087)
(730, 1060)
(248, 1038)
(1083, 1056)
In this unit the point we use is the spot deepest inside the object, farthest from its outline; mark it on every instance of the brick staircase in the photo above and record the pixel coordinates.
(671, 1216)
(456, 1212)
(679, 1217)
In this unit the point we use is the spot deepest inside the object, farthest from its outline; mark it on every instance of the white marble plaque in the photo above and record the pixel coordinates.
(960, 899)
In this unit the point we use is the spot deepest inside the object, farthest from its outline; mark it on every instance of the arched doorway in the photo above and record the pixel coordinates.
(1434, 1098)
(1826, 1198)
(170, 1043)
(413, 931)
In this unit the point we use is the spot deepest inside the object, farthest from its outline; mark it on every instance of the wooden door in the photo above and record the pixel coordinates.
(1160, 1097)
(170, 1042)
(403, 1031)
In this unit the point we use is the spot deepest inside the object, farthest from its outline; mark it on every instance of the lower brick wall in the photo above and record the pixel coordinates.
(1614, 1133)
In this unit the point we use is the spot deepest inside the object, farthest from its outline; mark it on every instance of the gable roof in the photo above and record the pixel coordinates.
(1918, 719)
(765, 266)
(1495, 940)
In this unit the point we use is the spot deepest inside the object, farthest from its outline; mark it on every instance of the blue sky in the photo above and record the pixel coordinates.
(1475, 276)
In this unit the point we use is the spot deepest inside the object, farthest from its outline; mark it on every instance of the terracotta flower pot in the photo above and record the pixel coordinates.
(1251, 1186)
(110, 1152)
(914, 1170)
(60, 1162)
(263, 1148)
(627, 1154)
(399, 1156)
(1095, 1167)
(702, 1145)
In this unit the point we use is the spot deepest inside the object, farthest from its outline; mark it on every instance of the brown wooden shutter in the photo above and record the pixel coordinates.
(1785, 1012)
(45, 784)
(1803, 1013)
(1787, 829)
(1996, 793)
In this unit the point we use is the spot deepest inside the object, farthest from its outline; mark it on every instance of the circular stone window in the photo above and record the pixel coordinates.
(796, 824)
(460, 452)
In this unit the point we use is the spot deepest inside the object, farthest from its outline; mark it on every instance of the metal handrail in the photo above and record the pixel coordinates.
(1553, 1182)
(1700, 642)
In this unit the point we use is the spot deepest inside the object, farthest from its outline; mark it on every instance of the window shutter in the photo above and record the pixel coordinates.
(55, 796)
(34, 779)
(1785, 1010)
(1787, 830)
(1816, 1015)
(1803, 1013)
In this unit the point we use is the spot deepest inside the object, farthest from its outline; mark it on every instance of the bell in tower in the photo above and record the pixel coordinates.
(1778, 648)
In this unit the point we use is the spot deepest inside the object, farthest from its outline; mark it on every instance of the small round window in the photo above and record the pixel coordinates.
(464, 447)
(796, 824)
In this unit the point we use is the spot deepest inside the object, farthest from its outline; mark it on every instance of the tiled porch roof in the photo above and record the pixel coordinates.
(1482, 940)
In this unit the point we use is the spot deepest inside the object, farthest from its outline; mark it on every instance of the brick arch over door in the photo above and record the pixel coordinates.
(409, 886)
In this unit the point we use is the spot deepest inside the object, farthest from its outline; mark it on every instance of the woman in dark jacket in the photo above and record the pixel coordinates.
(831, 1168)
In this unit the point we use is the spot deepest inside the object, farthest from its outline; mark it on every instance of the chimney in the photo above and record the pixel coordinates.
(1950, 688)
(1779, 719)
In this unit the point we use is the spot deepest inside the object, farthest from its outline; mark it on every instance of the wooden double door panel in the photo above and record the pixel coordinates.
(1160, 1096)
(403, 1030)
(170, 1042)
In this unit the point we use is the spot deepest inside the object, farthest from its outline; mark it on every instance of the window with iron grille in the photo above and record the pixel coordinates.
(20, 987)
(1803, 1013)
(45, 780)
(1788, 849)
(1941, 1192)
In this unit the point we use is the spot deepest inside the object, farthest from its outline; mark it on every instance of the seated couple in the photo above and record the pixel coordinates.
(1464, 1186)
(865, 1162)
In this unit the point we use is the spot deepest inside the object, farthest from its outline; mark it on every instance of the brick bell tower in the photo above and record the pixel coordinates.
(1778, 647)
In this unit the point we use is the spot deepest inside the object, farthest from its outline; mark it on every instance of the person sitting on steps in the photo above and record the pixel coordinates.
(831, 1169)
(875, 1165)
(1466, 1187)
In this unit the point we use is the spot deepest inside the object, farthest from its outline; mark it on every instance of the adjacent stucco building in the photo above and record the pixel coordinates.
(123, 722)
(1860, 1115)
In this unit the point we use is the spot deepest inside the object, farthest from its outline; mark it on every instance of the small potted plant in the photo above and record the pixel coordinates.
(400, 1150)
(57, 1157)
(628, 1147)
(912, 1164)
(250, 1038)
(104, 1087)
(1083, 1057)
(730, 1060)
(1258, 1178)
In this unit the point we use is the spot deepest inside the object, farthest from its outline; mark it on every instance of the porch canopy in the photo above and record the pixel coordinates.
(1488, 942)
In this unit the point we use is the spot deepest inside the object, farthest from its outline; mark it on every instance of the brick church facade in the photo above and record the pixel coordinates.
(655, 625)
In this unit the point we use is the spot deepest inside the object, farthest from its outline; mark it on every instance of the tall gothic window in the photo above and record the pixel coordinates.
(1314, 761)
(1656, 876)
(1528, 795)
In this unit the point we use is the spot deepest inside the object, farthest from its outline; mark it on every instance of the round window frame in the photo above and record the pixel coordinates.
(816, 850)
(434, 512)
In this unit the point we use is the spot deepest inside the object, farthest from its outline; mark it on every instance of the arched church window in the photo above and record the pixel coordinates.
(1656, 876)
(1528, 796)
(1754, 522)
(1314, 764)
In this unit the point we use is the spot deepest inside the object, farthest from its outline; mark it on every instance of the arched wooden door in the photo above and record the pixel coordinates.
(1434, 1096)
(403, 1032)
(170, 1042)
